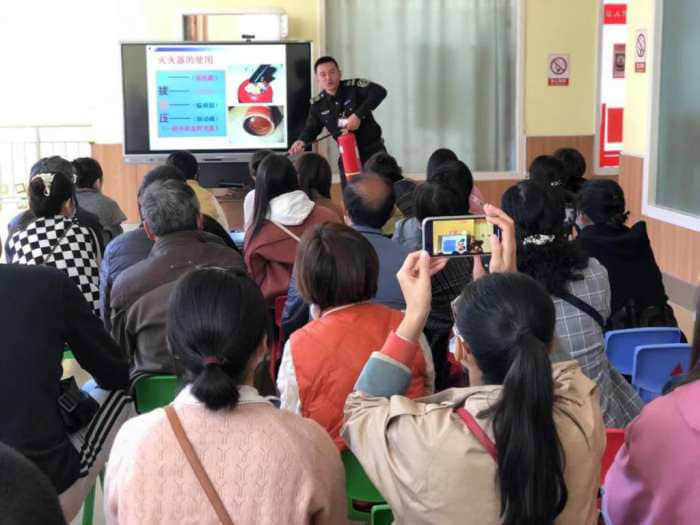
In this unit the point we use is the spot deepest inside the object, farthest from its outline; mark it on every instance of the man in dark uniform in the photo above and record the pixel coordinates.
(342, 106)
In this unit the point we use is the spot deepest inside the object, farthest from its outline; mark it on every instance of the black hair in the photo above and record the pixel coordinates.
(438, 157)
(384, 165)
(369, 200)
(547, 171)
(436, 199)
(53, 164)
(456, 175)
(314, 174)
(220, 314)
(185, 162)
(87, 172)
(276, 176)
(27, 496)
(255, 161)
(537, 210)
(61, 189)
(603, 201)
(507, 320)
(574, 168)
(325, 60)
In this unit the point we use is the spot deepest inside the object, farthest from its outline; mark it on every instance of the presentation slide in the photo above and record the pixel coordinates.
(216, 97)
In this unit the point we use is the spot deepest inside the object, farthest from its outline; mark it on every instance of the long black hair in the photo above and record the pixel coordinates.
(507, 319)
(314, 174)
(536, 210)
(276, 176)
(217, 318)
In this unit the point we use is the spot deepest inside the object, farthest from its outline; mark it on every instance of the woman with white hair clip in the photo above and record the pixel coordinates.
(55, 238)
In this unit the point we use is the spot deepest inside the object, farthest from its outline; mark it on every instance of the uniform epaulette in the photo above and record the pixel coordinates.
(316, 98)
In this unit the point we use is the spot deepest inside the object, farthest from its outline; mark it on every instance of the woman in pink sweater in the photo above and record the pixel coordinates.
(267, 466)
(654, 476)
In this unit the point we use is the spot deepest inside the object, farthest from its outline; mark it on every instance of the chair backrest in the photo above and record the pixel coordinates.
(614, 438)
(359, 488)
(654, 365)
(620, 344)
(382, 515)
(151, 392)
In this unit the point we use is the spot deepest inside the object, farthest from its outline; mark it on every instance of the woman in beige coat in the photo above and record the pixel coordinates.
(522, 445)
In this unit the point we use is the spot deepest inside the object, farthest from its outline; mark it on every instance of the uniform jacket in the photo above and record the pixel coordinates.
(270, 254)
(354, 96)
(429, 466)
(140, 296)
(328, 355)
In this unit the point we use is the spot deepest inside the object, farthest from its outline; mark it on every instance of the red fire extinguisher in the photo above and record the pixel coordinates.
(350, 154)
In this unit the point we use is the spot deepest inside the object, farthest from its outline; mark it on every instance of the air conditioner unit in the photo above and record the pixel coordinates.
(263, 24)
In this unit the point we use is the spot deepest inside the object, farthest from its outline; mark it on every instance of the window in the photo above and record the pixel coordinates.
(450, 68)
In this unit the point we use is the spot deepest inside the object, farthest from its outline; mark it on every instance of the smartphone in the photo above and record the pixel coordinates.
(462, 236)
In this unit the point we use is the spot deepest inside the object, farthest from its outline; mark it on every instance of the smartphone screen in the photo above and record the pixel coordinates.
(464, 236)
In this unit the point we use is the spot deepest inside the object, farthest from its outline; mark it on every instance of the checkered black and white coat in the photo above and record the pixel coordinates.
(64, 244)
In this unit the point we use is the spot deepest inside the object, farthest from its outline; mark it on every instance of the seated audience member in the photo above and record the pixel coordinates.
(267, 466)
(172, 219)
(437, 199)
(549, 172)
(574, 168)
(384, 165)
(208, 204)
(43, 312)
(522, 444)
(315, 180)
(27, 496)
(282, 213)
(337, 271)
(442, 155)
(249, 200)
(580, 289)
(637, 290)
(88, 179)
(653, 478)
(55, 238)
(369, 201)
(53, 164)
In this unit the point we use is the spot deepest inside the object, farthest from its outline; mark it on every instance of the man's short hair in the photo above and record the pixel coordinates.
(160, 173)
(385, 165)
(185, 162)
(325, 60)
(169, 206)
(87, 172)
(336, 265)
(27, 495)
(369, 200)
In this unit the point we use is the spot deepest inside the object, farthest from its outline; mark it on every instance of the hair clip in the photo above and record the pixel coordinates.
(47, 178)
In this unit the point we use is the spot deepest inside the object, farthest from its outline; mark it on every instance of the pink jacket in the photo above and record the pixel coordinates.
(654, 477)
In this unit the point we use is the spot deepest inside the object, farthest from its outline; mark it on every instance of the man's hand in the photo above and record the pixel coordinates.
(414, 279)
(353, 122)
(297, 147)
(503, 256)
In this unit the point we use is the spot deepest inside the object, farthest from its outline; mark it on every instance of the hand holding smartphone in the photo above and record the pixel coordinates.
(461, 236)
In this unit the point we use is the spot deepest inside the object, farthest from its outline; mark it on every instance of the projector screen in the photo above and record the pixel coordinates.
(222, 99)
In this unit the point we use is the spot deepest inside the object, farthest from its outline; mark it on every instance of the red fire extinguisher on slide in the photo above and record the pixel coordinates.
(350, 154)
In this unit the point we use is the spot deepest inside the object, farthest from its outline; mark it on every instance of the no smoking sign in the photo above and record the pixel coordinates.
(558, 70)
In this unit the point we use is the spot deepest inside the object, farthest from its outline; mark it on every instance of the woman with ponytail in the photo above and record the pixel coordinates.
(521, 445)
(266, 465)
(637, 291)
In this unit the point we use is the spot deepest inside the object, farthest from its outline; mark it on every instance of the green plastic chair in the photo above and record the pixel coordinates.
(153, 392)
(359, 488)
(382, 515)
(89, 504)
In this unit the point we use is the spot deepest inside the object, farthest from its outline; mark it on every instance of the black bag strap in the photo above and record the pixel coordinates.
(584, 307)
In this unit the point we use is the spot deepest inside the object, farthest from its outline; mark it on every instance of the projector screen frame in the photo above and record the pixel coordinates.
(204, 156)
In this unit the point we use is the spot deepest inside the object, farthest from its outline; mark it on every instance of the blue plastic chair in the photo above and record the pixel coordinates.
(620, 344)
(653, 365)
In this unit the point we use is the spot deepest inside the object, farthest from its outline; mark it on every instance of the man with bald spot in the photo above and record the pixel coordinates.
(369, 203)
